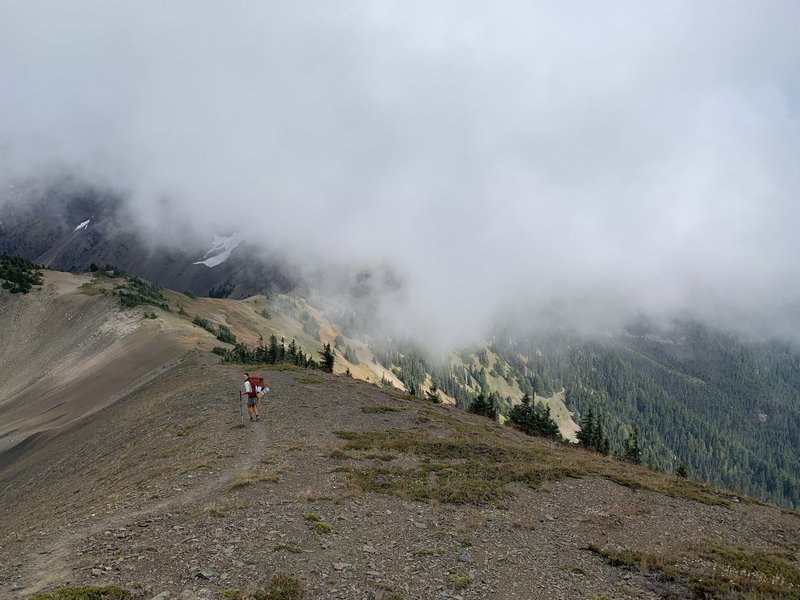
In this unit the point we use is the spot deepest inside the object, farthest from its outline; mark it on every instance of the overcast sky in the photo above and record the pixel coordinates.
(495, 153)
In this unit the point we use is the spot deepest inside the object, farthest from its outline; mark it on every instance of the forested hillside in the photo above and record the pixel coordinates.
(726, 407)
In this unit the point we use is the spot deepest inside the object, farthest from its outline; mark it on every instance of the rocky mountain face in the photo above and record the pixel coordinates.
(71, 229)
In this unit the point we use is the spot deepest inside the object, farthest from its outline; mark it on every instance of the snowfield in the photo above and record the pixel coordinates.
(220, 250)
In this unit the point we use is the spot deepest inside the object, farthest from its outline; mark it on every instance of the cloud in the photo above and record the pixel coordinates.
(500, 157)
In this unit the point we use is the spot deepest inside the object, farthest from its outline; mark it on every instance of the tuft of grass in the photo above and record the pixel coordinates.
(309, 380)
(86, 592)
(380, 409)
(458, 582)
(287, 548)
(312, 518)
(429, 551)
(199, 466)
(284, 587)
(323, 528)
(247, 478)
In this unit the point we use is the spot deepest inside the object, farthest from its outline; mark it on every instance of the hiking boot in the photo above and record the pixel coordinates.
(252, 419)
(258, 417)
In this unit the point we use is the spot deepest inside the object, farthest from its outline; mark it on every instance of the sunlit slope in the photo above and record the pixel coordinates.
(64, 353)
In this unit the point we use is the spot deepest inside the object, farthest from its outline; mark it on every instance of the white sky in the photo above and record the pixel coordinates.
(496, 154)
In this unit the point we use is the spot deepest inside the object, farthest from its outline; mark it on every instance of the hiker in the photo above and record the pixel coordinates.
(252, 398)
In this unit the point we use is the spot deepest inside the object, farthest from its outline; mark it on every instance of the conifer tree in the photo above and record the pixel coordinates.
(483, 405)
(432, 395)
(272, 351)
(586, 434)
(632, 452)
(328, 358)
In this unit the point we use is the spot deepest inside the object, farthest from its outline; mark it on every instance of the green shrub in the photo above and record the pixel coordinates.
(86, 592)
(19, 275)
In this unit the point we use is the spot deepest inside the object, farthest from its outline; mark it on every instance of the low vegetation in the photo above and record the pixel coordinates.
(19, 275)
(474, 466)
(270, 353)
(281, 587)
(716, 570)
(86, 592)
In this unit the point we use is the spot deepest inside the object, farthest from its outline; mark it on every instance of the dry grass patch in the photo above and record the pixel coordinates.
(86, 592)
(378, 410)
(716, 570)
(458, 582)
(429, 551)
(455, 471)
(281, 587)
(198, 466)
(287, 548)
(462, 462)
(253, 477)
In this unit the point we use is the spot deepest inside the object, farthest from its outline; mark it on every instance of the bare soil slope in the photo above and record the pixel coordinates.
(64, 354)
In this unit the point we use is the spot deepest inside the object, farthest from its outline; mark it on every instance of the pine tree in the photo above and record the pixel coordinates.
(483, 405)
(272, 351)
(586, 434)
(432, 395)
(632, 452)
(328, 358)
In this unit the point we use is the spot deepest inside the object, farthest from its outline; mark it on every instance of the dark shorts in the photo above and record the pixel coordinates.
(251, 401)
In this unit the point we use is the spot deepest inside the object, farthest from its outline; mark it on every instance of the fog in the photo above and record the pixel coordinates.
(497, 157)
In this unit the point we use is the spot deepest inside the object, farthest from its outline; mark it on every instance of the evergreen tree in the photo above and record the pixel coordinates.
(586, 435)
(534, 419)
(272, 351)
(681, 471)
(632, 452)
(483, 405)
(328, 358)
(19, 275)
(432, 395)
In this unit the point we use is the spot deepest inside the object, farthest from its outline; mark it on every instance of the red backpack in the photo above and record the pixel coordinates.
(256, 386)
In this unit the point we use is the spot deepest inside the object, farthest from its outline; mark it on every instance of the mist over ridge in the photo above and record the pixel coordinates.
(604, 160)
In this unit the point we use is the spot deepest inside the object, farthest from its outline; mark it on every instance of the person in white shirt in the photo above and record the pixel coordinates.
(252, 398)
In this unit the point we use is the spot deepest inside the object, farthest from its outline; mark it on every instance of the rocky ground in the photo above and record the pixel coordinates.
(167, 493)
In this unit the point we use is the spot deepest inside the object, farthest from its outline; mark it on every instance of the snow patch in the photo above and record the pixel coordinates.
(83, 225)
(220, 250)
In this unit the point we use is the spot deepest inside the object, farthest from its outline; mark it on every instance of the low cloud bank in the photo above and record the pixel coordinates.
(499, 160)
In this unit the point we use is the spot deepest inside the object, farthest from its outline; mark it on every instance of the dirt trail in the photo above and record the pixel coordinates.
(54, 562)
